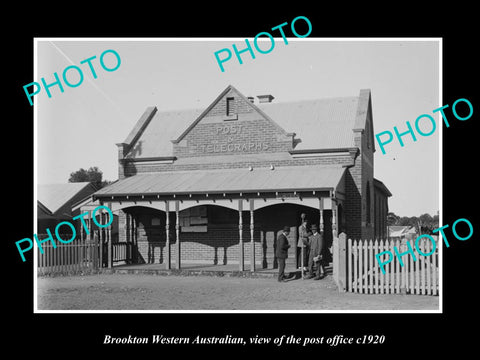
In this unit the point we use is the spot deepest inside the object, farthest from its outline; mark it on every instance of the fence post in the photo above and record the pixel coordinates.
(93, 250)
(403, 286)
(100, 248)
(349, 265)
(355, 266)
(340, 261)
(434, 268)
(110, 246)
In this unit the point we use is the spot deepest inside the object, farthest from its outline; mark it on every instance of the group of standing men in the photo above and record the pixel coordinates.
(309, 252)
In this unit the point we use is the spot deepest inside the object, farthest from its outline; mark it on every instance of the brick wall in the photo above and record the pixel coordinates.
(232, 138)
(220, 244)
(137, 168)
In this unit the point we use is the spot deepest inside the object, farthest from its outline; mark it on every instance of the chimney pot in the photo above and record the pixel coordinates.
(265, 98)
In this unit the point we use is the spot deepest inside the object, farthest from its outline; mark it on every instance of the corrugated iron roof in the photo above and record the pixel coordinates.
(54, 196)
(399, 231)
(163, 127)
(294, 178)
(318, 124)
(398, 227)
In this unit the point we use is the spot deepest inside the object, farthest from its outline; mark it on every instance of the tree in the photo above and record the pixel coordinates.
(392, 219)
(427, 223)
(93, 175)
(424, 224)
(404, 221)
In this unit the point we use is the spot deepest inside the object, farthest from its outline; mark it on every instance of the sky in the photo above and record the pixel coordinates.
(80, 127)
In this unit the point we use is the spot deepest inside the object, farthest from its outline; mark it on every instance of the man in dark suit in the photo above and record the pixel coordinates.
(282, 252)
(316, 253)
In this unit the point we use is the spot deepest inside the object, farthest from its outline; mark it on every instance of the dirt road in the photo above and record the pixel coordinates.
(146, 292)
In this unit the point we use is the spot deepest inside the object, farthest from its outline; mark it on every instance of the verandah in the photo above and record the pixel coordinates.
(250, 235)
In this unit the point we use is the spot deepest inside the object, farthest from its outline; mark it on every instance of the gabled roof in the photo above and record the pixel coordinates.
(53, 197)
(317, 124)
(43, 212)
(399, 231)
(232, 89)
(399, 227)
(85, 204)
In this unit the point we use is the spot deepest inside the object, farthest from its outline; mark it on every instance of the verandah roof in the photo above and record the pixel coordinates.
(293, 178)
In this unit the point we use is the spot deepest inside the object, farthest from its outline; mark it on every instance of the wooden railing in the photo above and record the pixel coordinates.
(79, 255)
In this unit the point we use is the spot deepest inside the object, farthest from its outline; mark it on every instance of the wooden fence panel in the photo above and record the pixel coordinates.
(79, 255)
(75, 256)
(417, 276)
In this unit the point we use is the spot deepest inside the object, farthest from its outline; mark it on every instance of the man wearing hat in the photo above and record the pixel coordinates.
(282, 252)
(316, 250)
(302, 244)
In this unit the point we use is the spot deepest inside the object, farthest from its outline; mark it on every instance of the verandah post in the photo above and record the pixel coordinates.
(252, 241)
(129, 245)
(167, 236)
(320, 209)
(177, 232)
(240, 234)
(108, 233)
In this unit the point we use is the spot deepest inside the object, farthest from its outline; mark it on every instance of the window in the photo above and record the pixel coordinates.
(194, 219)
(230, 106)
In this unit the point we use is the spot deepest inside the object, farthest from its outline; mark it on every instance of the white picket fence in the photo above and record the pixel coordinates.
(415, 277)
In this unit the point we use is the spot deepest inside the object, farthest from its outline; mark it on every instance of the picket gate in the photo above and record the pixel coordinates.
(364, 275)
